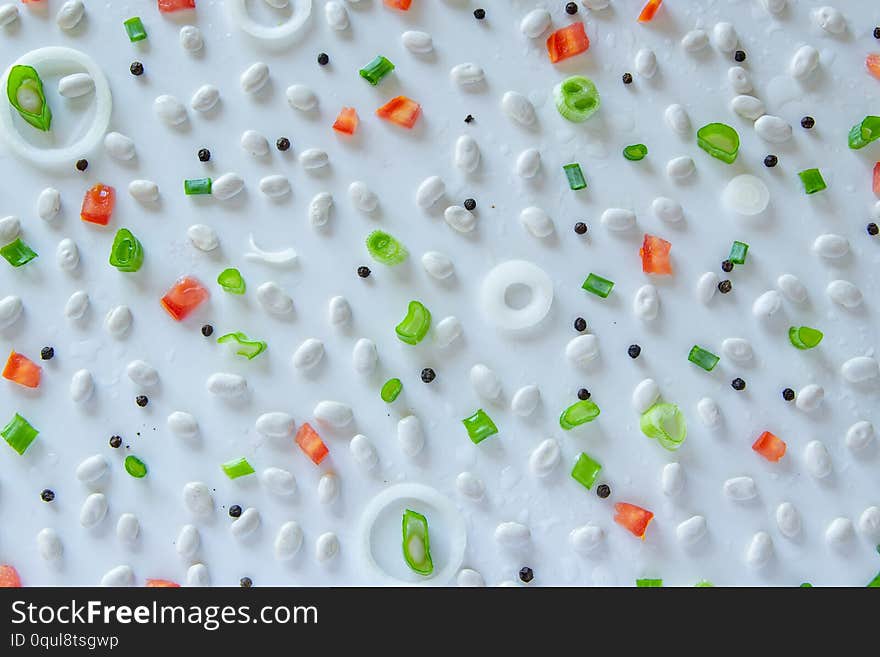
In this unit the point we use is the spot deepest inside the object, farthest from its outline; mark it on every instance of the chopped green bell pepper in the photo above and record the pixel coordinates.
(417, 543)
(24, 88)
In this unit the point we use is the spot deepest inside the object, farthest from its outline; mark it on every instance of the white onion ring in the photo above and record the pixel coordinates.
(47, 61)
(514, 272)
(279, 34)
(282, 257)
(746, 194)
(431, 497)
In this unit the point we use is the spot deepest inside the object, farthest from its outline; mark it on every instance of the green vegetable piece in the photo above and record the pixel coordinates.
(391, 390)
(585, 470)
(197, 186)
(874, 583)
(231, 280)
(576, 98)
(414, 327)
(635, 152)
(599, 286)
(385, 249)
(237, 468)
(19, 433)
(24, 88)
(649, 583)
(479, 426)
(417, 543)
(805, 585)
(704, 584)
(135, 29)
(812, 180)
(666, 423)
(376, 70)
(579, 413)
(720, 141)
(17, 253)
(865, 132)
(705, 359)
(135, 467)
(804, 337)
(738, 253)
(248, 348)
(575, 176)
(127, 253)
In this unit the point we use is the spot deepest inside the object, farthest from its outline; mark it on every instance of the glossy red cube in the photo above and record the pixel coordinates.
(185, 296)
(97, 205)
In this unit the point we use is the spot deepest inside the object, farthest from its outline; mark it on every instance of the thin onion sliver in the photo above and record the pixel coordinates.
(271, 35)
(283, 257)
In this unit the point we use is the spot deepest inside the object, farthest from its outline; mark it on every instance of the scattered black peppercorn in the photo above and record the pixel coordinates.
(727, 265)
(246, 582)
(479, 14)
(873, 229)
(234, 511)
(470, 204)
(571, 8)
(771, 161)
(47, 353)
(282, 144)
(583, 394)
(141, 400)
(808, 122)
(469, 118)
(323, 59)
(603, 490)
(207, 330)
(47, 495)
(740, 55)
(525, 573)
(136, 68)
(82, 165)
(115, 442)
(428, 375)
(580, 324)
(738, 384)
(580, 228)
(725, 286)
(204, 155)
(788, 394)
(634, 351)
(627, 78)
(877, 32)
(363, 272)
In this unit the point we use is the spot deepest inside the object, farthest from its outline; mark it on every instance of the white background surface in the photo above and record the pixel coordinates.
(392, 162)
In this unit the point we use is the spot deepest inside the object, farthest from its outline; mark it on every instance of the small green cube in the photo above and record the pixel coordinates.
(17, 253)
(135, 29)
(812, 180)
(703, 358)
(377, 69)
(479, 426)
(585, 470)
(649, 583)
(196, 186)
(599, 286)
(19, 434)
(738, 253)
(575, 176)
(237, 468)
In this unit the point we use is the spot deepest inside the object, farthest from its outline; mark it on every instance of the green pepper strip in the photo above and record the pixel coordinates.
(703, 358)
(17, 253)
(232, 281)
(377, 69)
(19, 433)
(649, 583)
(134, 27)
(812, 180)
(197, 186)
(720, 141)
(414, 327)
(248, 348)
(575, 176)
(864, 132)
(385, 249)
(635, 152)
(738, 252)
(127, 253)
(417, 543)
(579, 413)
(237, 468)
(391, 390)
(599, 286)
(26, 79)
(135, 467)
(666, 423)
(804, 337)
(586, 470)
(479, 426)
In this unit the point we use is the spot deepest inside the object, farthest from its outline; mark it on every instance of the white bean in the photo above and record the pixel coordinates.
(275, 425)
(319, 209)
(678, 119)
(328, 488)
(724, 37)
(536, 221)
(466, 155)
(254, 77)
(93, 510)
(338, 311)
(308, 354)
(844, 293)
(460, 218)
(707, 285)
(512, 534)
(205, 98)
(182, 425)
(544, 458)
(791, 287)
(582, 350)
(227, 186)
(860, 368)
(314, 158)
(429, 192)
(410, 436)
(279, 481)
(738, 350)
(301, 97)
(191, 39)
(67, 255)
(8, 14)
(470, 486)
(188, 541)
(226, 386)
(363, 451)
(859, 435)
(691, 530)
(466, 74)
(82, 386)
(336, 15)
(70, 14)
(695, 40)
(438, 265)
(362, 197)
(364, 356)
(288, 541)
(645, 63)
(535, 23)
(810, 397)
(275, 186)
(10, 228)
(203, 237)
(708, 412)
(829, 19)
(416, 41)
(468, 578)
(145, 191)
(127, 528)
(274, 299)
(197, 498)
(246, 524)
(485, 381)
(525, 400)
(518, 108)
(788, 519)
(767, 304)
(528, 163)
(672, 479)
(667, 210)
(586, 539)
(10, 310)
(739, 80)
(142, 373)
(333, 413)
(773, 129)
(869, 522)
(254, 143)
(748, 107)
(804, 62)
(48, 204)
(326, 547)
(773, 6)
(817, 459)
(197, 575)
(644, 395)
(740, 489)
(75, 307)
(680, 167)
(760, 550)
(618, 219)
(119, 146)
(831, 245)
(646, 302)
(447, 331)
(595, 4)
(49, 545)
(118, 576)
(169, 110)
(76, 85)
(118, 321)
(92, 468)
(839, 532)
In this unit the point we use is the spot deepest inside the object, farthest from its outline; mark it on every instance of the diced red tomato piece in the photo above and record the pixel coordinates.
(162, 584)
(632, 517)
(403, 5)
(872, 61)
(98, 204)
(168, 6)
(769, 446)
(185, 295)
(649, 10)
(310, 442)
(22, 370)
(400, 110)
(9, 578)
(876, 184)
(347, 121)
(655, 255)
(567, 42)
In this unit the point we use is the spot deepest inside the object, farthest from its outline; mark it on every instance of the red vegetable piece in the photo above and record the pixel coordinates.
(872, 61)
(403, 5)
(185, 295)
(310, 442)
(162, 584)
(655, 255)
(9, 578)
(347, 121)
(769, 446)
(21, 370)
(649, 10)
(877, 179)
(400, 110)
(567, 42)
(632, 517)
(98, 204)
(168, 6)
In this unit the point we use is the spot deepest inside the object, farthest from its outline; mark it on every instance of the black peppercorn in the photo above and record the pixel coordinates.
(282, 144)
(808, 122)
(207, 330)
(877, 32)
(323, 59)
(428, 375)
(469, 118)
(470, 204)
(727, 265)
(788, 394)
(479, 14)
(634, 351)
(525, 573)
(246, 582)
(873, 229)
(627, 78)
(725, 286)
(571, 8)
(771, 161)
(363, 272)
(234, 511)
(580, 324)
(603, 490)
(82, 165)
(580, 228)
(136, 68)
(47, 353)
(739, 55)
(583, 394)
(115, 442)
(738, 384)
(141, 400)
(204, 155)
(47, 495)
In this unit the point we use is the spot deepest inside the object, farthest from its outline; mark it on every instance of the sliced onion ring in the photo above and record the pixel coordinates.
(432, 498)
(510, 273)
(274, 35)
(49, 61)
(746, 194)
